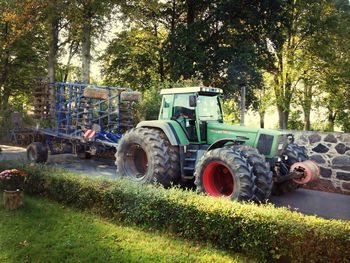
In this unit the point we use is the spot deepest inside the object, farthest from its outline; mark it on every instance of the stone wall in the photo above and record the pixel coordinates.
(332, 152)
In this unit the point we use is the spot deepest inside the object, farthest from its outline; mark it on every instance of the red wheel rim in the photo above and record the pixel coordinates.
(218, 180)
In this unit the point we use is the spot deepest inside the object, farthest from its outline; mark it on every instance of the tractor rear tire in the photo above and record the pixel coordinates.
(224, 172)
(261, 170)
(145, 155)
(37, 152)
(295, 153)
(174, 161)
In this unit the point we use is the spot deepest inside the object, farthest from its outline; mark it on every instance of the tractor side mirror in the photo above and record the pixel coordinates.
(192, 100)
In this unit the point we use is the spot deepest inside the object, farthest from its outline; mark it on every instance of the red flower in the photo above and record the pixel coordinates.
(12, 179)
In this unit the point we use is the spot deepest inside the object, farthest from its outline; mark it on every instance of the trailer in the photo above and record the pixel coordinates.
(89, 120)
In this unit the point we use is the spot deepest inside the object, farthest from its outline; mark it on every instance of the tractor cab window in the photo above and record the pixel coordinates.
(185, 115)
(209, 108)
(164, 113)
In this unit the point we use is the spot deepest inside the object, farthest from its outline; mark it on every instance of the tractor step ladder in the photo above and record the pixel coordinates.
(190, 161)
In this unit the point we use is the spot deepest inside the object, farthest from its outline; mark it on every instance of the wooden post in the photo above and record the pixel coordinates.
(13, 199)
(243, 91)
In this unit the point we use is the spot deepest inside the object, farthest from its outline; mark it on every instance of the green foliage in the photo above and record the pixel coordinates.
(131, 60)
(22, 57)
(344, 119)
(231, 110)
(148, 107)
(260, 231)
(226, 44)
(44, 231)
(295, 122)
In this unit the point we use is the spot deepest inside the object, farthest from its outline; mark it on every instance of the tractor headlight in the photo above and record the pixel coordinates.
(280, 146)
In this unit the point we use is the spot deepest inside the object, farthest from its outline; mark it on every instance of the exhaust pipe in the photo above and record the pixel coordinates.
(306, 171)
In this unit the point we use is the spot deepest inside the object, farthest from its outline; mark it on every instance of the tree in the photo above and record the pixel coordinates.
(91, 16)
(22, 54)
(53, 19)
(131, 60)
(136, 58)
(327, 71)
(297, 26)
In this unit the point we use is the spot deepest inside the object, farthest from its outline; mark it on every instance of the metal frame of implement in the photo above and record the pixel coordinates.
(78, 112)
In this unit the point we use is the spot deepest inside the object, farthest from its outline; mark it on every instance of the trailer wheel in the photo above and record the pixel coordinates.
(295, 153)
(37, 152)
(144, 155)
(81, 152)
(224, 172)
(261, 170)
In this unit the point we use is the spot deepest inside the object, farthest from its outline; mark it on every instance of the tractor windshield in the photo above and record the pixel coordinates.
(209, 108)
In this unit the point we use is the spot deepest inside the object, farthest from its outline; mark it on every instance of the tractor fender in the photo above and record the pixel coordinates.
(171, 129)
(220, 143)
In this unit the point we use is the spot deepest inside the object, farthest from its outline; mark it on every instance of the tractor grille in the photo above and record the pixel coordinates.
(265, 144)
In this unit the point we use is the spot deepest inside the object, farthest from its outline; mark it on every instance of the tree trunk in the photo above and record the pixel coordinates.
(307, 122)
(283, 118)
(262, 119)
(6, 67)
(188, 70)
(5, 100)
(190, 12)
(86, 45)
(171, 38)
(160, 52)
(3, 79)
(74, 45)
(52, 61)
(306, 104)
(331, 120)
(173, 16)
(13, 199)
(243, 99)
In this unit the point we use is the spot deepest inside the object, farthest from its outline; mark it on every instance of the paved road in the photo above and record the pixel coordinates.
(92, 167)
(322, 204)
(310, 202)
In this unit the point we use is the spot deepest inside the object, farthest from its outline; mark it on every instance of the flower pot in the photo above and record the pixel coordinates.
(13, 199)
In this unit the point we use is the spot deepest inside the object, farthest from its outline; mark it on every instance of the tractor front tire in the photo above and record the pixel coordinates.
(295, 153)
(261, 170)
(37, 152)
(224, 172)
(145, 155)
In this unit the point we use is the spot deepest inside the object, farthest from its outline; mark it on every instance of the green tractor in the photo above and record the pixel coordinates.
(190, 143)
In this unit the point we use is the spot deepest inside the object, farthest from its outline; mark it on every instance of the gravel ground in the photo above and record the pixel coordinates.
(310, 202)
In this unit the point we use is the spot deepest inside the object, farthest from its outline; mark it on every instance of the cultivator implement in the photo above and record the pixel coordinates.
(81, 107)
(90, 119)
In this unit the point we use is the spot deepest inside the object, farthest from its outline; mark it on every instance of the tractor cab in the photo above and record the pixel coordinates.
(192, 108)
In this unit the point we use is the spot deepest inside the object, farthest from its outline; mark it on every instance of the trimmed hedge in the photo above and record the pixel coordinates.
(263, 232)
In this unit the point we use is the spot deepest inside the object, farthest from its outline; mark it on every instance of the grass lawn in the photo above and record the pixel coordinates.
(44, 231)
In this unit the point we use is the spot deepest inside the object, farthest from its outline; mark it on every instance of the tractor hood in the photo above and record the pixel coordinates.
(267, 141)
